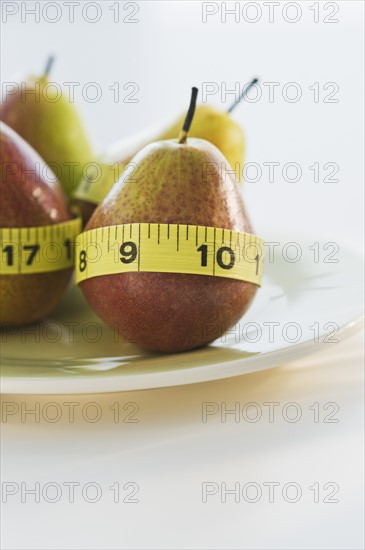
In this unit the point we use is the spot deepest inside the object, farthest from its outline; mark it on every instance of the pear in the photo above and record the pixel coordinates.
(210, 123)
(172, 312)
(28, 200)
(40, 112)
(95, 185)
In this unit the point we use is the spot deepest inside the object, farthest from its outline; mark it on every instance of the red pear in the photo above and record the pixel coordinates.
(172, 312)
(30, 196)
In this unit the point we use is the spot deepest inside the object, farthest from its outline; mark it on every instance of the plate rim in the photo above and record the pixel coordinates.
(136, 382)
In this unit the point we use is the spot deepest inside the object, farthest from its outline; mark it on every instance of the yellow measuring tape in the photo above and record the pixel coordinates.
(38, 249)
(169, 248)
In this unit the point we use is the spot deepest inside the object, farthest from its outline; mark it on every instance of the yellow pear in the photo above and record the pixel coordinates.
(220, 129)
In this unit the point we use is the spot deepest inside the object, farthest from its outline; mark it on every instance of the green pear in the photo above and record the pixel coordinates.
(42, 114)
(30, 197)
(172, 312)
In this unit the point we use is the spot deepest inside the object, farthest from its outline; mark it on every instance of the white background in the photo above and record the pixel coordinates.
(170, 452)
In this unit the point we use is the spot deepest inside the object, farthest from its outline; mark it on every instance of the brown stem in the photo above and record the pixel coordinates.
(189, 117)
(48, 67)
(244, 93)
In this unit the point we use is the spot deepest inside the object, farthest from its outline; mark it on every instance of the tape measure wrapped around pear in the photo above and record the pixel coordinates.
(33, 215)
(184, 181)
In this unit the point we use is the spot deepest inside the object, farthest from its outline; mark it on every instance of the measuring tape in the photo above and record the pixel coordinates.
(38, 249)
(169, 248)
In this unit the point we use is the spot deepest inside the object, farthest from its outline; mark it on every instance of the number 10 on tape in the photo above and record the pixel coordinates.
(169, 248)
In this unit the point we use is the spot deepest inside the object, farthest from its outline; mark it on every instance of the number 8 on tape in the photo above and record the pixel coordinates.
(169, 248)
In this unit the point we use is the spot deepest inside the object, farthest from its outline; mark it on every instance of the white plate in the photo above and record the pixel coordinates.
(314, 304)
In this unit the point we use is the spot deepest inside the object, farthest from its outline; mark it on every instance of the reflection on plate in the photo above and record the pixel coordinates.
(302, 307)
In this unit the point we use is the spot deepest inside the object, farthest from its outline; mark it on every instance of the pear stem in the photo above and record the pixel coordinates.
(243, 94)
(49, 64)
(189, 117)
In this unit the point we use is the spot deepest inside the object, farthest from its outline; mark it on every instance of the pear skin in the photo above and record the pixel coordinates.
(49, 122)
(28, 200)
(172, 312)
